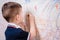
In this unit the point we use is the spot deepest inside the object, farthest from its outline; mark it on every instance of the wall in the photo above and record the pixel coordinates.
(46, 14)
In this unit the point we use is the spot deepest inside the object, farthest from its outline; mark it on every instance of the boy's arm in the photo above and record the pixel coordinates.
(32, 27)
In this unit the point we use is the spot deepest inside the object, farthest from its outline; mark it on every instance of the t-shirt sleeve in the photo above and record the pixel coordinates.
(23, 33)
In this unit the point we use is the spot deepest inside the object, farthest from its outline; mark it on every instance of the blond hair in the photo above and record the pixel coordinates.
(10, 9)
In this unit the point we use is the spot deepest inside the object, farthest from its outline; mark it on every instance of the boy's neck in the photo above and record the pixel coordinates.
(21, 24)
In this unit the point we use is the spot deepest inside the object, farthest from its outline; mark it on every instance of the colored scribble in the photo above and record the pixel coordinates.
(35, 7)
(27, 1)
(54, 0)
(57, 6)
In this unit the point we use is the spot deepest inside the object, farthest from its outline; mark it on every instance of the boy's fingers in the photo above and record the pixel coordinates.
(32, 17)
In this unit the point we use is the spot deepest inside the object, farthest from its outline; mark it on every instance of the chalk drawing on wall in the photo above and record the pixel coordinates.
(27, 1)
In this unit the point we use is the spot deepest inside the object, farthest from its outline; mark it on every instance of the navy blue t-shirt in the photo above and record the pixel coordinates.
(12, 33)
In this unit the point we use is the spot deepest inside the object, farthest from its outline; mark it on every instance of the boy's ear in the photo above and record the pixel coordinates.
(17, 17)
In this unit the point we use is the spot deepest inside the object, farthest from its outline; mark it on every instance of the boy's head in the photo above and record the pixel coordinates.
(11, 11)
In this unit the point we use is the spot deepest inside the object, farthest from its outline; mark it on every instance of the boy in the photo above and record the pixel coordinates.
(12, 12)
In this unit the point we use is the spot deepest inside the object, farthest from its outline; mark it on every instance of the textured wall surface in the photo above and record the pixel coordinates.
(46, 14)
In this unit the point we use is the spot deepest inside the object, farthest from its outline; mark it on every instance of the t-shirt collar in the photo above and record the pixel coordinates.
(12, 24)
